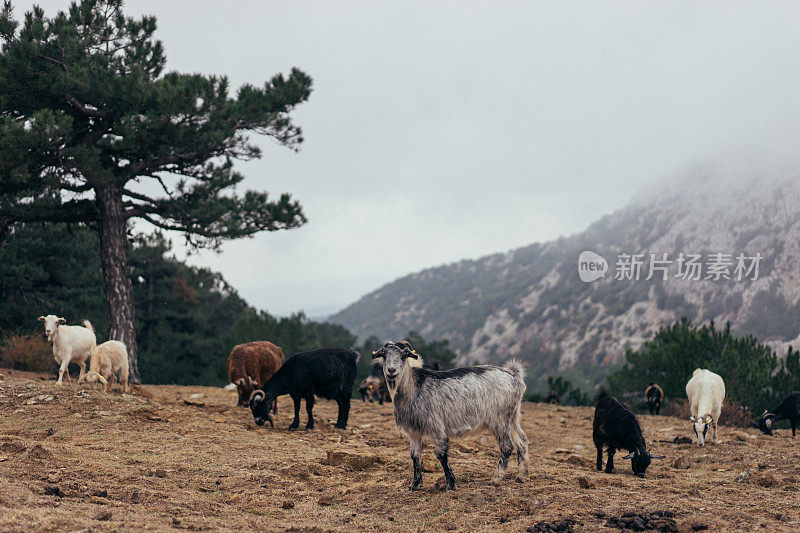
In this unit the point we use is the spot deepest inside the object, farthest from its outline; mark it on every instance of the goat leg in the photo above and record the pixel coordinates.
(416, 457)
(442, 446)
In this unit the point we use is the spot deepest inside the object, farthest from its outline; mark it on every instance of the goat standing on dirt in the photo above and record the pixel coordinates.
(788, 409)
(250, 366)
(653, 394)
(706, 392)
(108, 360)
(443, 404)
(616, 427)
(71, 344)
(328, 373)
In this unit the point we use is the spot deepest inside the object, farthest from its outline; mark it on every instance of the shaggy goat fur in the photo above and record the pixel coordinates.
(616, 427)
(250, 365)
(653, 394)
(706, 392)
(788, 409)
(328, 373)
(443, 404)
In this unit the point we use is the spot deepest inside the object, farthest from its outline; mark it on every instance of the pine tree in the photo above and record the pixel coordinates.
(92, 130)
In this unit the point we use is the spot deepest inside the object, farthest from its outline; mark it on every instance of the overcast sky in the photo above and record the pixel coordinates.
(446, 130)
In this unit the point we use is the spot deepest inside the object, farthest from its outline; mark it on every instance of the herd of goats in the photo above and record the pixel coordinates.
(428, 403)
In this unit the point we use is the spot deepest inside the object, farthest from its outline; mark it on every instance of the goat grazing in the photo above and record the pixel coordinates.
(788, 409)
(250, 366)
(328, 373)
(107, 360)
(653, 394)
(71, 344)
(706, 392)
(447, 403)
(374, 385)
(616, 427)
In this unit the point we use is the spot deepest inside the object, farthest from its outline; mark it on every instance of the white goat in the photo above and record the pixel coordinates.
(706, 392)
(70, 343)
(107, 360)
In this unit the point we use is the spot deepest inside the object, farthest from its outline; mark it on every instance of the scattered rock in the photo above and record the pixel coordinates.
(431, 466)
(766, 479)
(160, 472)
(194, 403)
(287, 504)
(12, 446)
(103, 515)
(103, 493)
(351, 460)
(643, 521)
(699, 526)
(566, 525)
(478, 499)
(681, 440)
(325, 501)
(682, 462)
(576, 460)
(742, 477)
(584, 482)
(441, 483)
(53, 490)
(40, 452)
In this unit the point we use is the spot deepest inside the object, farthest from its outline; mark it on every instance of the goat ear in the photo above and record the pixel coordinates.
(378, 353)
(708, 419)
(41, 319)
(62, 320)
(693, 419)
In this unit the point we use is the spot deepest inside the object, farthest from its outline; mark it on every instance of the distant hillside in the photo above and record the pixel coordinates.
(531, 303)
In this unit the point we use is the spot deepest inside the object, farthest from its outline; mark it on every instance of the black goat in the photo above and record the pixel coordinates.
(616, 427)
(789, 409)
(653, 394)
(553, 397)
(327, 373)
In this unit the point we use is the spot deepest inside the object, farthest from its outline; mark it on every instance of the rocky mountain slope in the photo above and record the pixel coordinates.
(531, 303)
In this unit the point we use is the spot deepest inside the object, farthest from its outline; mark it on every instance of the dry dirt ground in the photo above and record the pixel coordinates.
(171, 457)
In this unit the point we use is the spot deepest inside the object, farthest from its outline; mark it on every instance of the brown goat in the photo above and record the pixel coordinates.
(250, 366)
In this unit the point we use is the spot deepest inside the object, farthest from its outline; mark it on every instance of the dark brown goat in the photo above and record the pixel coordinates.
(250, 365)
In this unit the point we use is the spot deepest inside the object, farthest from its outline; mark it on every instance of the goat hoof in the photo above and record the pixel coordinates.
(310, 427)
(293, 427)
(337, 426)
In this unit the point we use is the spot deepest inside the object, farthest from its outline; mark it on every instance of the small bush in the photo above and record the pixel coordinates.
(31, 353)
(676, 408)
(735, 414)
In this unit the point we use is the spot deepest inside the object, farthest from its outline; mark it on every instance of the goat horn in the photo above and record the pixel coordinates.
(654, 456)
(257, 395)
(628, 456)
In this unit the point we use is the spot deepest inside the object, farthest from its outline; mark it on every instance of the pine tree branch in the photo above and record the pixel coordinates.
(72, 211)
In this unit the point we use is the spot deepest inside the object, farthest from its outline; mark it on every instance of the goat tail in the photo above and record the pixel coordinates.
(88, 325)
(515, 367)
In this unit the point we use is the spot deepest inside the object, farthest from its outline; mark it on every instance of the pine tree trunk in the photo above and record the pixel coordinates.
(116, 273)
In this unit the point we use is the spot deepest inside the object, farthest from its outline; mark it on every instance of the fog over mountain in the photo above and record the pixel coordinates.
(531, 303)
